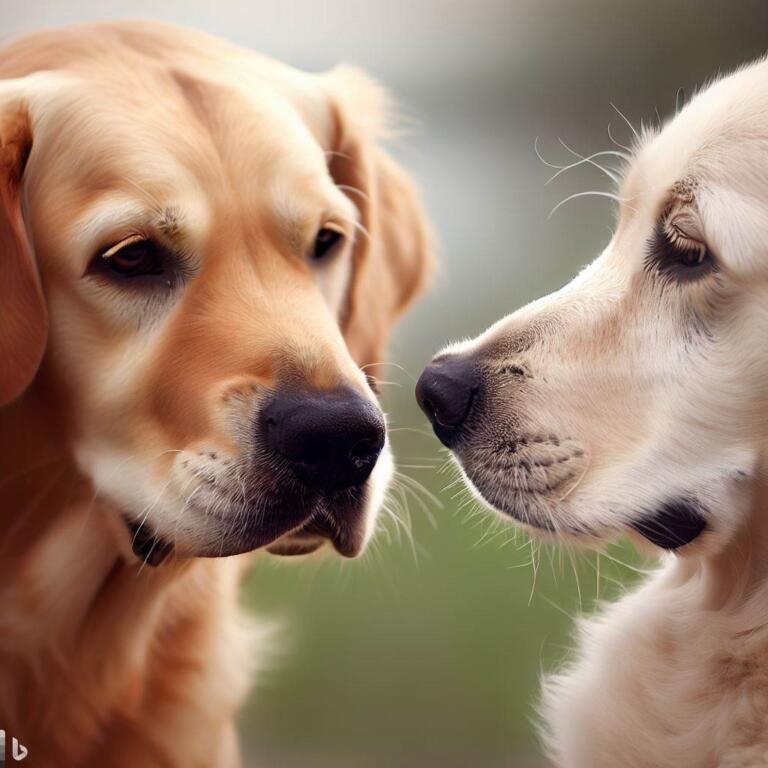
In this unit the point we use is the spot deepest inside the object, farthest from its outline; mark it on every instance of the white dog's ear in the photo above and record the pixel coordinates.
(23, 314)
(393, 253)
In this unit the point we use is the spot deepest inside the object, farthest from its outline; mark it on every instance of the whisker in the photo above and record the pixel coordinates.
(619, 144)
(679, 99)
(355, 190)
(156, 204)
(383, 362)
(334, 153)
(358, 226)
(590, 160)
(588, 193)
(626, 120)
(541, 157)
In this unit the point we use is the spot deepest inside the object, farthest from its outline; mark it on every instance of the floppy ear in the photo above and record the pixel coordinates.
(23, 315)
(393, 254)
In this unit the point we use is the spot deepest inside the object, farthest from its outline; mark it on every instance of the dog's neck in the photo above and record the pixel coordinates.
(43, 492)
(81, 620)
(736, 574)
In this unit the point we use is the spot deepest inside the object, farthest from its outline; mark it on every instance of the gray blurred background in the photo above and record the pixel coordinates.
(428, 650)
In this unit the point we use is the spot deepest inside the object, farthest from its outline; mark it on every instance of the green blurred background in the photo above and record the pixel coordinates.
(427, 651)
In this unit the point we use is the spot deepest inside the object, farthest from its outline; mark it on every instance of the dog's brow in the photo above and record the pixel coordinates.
(168, 222)
(684, 190)
(108, 216)
(102, 218)
(296, 216)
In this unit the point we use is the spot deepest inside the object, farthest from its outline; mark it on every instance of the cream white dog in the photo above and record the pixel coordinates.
(635, 401)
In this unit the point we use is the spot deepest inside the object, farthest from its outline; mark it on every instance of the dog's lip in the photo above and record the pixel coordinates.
(146, 544)
(535, 466)
(295, 546)
(348, 539)
(675, 524)
(280, 534)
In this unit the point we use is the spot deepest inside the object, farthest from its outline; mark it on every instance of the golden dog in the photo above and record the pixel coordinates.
(201, 251)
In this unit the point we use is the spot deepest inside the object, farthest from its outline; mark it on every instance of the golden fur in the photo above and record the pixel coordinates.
(120, 404)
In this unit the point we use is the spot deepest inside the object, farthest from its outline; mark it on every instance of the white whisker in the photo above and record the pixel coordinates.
(590, 160)
(615, 141)
(626, 120)
(588, 193)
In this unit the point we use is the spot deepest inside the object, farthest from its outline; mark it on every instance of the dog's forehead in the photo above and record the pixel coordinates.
(176, 117)
(719, 138)
(192, 143)
(711, 158)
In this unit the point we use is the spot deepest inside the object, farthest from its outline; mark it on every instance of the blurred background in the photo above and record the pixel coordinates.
(427, 652)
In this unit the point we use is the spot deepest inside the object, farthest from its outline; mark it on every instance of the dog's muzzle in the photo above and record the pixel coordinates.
(304, 483)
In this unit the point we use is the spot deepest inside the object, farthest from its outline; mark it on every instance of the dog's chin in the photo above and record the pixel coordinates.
(288, 530)
(531, 513)
(671, 526)
(521, 507)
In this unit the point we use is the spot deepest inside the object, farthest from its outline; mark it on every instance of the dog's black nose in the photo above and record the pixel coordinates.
(446, 391)
(331, 439)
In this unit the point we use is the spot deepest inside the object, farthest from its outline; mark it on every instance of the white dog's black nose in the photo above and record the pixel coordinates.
(446, 392)
(330, 439)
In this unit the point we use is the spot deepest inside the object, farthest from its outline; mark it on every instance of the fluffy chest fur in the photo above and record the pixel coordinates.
(101, 659)
(670, 675)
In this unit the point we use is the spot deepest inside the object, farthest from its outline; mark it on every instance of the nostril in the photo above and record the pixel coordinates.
(429, 409)
(454, 413)
(331, 439)
(365, 449)
(446, 392)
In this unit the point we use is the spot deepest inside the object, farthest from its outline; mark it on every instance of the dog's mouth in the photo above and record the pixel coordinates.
(146, 544)
(676, 523)
(529, 479)
(337, 519)
(516, 476)
(295, 545)
(348, 540)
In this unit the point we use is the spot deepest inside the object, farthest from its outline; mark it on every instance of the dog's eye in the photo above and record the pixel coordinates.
(141, 262)
(676, 255)
(135, 256)
(694, 257)
(326, 241)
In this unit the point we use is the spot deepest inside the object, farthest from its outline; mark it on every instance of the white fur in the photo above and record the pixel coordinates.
(664, 384)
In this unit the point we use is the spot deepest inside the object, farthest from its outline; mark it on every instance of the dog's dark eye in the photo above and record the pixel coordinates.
(678, 257)
(134, 257)
(325, 243)
(692, 255)
(137, 260)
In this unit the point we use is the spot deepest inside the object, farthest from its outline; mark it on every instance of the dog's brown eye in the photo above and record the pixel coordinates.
(133, 257)
(676, 256)
(692, 254)
(326, 241)
(140, 263)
